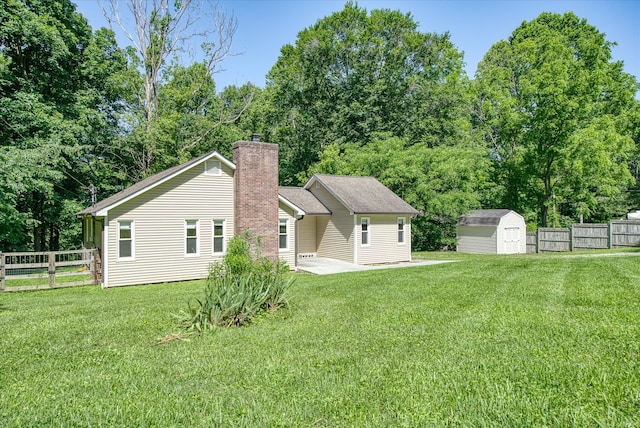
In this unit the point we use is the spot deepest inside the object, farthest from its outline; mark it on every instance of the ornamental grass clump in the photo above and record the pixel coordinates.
(243, 285)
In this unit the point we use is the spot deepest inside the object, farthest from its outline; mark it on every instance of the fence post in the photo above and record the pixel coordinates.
(94, 266)
(52, 269)
(537, 241)
(610, 235)
(571, 238)
(2, 272)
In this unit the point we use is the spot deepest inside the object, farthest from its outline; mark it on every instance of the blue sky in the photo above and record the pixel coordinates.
(265, 26)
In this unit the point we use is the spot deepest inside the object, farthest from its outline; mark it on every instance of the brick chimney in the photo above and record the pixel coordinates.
(256, 192)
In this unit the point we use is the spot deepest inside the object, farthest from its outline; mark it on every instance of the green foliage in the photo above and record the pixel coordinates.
(243, 285)
(354, 74)
(553, 109)
(58, 99)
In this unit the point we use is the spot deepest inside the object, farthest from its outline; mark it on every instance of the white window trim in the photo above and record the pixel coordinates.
(197, 253)
(368, 221)
(287, 233)
(213, 236)
(209, 164)
(404, 230)
(133, 240)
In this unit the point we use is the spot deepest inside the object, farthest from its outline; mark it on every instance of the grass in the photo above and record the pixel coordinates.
(64, 275)
(44, 280)
(490, 341)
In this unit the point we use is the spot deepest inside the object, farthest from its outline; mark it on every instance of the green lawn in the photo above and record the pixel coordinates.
(488, 341)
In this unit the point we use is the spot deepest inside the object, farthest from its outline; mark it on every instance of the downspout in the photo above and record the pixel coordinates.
(105, 252)
(355, 238)
(101, 248)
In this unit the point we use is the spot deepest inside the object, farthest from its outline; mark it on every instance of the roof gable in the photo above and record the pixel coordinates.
(102, 207)
(362, 195)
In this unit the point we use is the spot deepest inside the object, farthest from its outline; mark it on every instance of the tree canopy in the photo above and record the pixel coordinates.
(354, 74)
(55, 101)
(552, 105)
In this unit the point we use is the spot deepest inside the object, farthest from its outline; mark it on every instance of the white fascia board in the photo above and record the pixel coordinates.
(105, 210)
(309, 183)
(298, 210)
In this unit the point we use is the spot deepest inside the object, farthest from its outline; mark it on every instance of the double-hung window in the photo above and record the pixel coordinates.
(365, 223)
(283, 234)
(218, 236)
(125, 240)
(401, 221)
(191, 237)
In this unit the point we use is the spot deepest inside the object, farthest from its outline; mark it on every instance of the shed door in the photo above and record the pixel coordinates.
(512, 240)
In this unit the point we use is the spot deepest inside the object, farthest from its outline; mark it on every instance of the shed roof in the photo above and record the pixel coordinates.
(483, 217)
(150, 182)
(304, 199)
(362, 195)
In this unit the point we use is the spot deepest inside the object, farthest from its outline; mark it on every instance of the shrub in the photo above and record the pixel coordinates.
(240, 287)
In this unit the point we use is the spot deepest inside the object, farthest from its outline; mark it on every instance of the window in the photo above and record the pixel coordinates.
(283, 234)
(212, 167)
(401, 221)
(191, 234)
(364, 226)
(125, 239)
(218, 236)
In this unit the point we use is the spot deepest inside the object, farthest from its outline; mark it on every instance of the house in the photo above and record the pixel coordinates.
(499, 231)
(174, 224)
(355, 219)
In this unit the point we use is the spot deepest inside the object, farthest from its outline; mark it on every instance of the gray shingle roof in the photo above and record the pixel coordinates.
(304, 199)
(363, 195)
(483, 217)
(149, 182)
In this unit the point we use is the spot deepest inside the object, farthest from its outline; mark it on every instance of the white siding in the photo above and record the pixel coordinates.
(289, 255)
(334, 234)
(511, 220)
(159, 237)
(477, 239)
(307, 234)
(383, 240)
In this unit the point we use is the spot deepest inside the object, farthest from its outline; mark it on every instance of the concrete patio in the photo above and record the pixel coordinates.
(327, 266)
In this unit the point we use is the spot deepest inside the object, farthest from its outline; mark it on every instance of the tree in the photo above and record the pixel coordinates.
(161, 31)
(633, 123)
(55, 107)
(551, 104)
(354, 74)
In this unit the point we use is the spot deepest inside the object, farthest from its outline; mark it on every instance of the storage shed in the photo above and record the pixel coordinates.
(492, 232)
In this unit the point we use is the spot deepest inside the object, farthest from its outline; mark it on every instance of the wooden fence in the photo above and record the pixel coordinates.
(585, 236)
(55, 269)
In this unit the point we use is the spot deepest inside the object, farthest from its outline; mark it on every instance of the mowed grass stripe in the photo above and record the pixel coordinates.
(523, 340)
